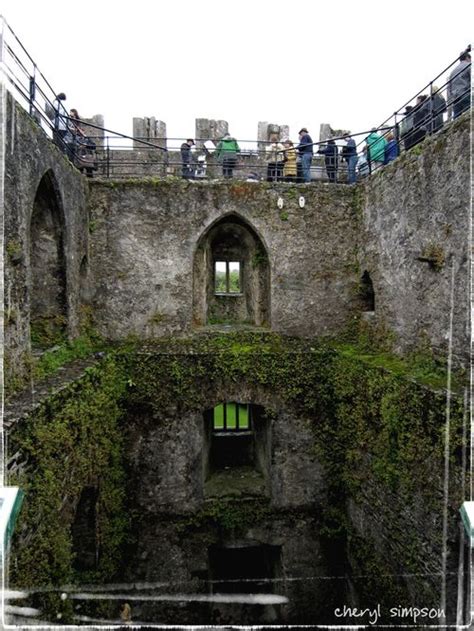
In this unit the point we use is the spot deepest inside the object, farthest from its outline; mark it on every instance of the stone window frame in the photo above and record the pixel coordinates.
(227, 278)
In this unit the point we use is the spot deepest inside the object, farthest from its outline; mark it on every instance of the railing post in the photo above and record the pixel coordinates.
(431, 124)
(107, 153)
(2, 40)
(32, 96)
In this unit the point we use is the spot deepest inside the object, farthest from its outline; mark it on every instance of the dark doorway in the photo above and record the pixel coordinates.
(84, 531)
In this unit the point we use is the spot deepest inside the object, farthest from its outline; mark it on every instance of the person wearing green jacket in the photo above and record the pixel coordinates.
(228, 149)
(375, 149)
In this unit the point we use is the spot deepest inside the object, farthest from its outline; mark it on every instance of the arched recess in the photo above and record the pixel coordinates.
(237, 447)
(48, 312)
(231, 275)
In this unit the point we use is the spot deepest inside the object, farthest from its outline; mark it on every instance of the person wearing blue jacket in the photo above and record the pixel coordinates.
(330, 159)
(391, 148)
(305, 150)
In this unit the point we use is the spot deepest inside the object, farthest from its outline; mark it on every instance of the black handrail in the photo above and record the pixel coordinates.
(38, 86)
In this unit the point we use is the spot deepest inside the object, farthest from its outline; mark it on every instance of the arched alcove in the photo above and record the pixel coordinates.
(48, 315)
(366, 293)
(84, 530)
(231, 277)
(237, 448)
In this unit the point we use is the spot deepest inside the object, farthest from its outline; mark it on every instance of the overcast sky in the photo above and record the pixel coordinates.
(302, 63)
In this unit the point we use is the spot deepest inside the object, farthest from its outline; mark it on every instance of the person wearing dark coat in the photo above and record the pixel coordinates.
(406, 128)
(305, 150)
(330, 159)
(459, 85)
(187, 169)
(421, 119)
(438, 106)
(349, 154)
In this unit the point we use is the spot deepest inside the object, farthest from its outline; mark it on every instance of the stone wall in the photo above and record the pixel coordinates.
(37, 173)
(414, 241)
(145, 237)
(406, 226)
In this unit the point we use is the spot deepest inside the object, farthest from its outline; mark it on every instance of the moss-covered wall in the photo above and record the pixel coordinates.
(377, 434)
(71, 441)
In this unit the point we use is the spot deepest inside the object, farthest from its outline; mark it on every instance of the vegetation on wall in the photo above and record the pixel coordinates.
(378, 433)
(72, 441)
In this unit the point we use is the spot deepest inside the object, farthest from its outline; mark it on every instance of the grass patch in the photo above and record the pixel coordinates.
(422, 368)
(55, 358)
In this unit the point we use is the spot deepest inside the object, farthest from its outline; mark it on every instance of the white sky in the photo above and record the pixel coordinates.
(349, 63)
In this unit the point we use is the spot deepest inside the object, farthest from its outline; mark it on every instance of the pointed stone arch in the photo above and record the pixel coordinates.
(234, 244)
(48, 303)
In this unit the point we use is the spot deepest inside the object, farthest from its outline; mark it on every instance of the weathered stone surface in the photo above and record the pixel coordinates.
(209, 129)
(415, 206)
(145, 239)
(326, 132)
(265, 130)
(31, 160)
(149, 129)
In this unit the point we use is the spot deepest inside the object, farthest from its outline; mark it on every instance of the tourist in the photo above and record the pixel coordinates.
(406, 128)
(330, 159)
(290, 169)
(275, 157)
(228, 149)
(74, 123)
(459, 85)
(61, 131)
(349, 154)
(305, 150)
(391, 148)
(421, 118)
(187, 168)
(375, 149)
(438, 106)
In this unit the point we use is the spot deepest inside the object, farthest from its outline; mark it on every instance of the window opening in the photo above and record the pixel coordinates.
(231, 417)
(367, 295)
(244, 569)
(227, 277)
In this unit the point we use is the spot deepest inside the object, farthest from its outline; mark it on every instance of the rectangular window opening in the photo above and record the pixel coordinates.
(227, 277)
(231, 417)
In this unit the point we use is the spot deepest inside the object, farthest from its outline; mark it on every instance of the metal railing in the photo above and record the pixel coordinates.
(101, 152)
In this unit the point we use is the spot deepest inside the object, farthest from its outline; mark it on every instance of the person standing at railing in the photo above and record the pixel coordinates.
(61, 130)
(227, 149)
(275, 157)
(81, 147)
(459, 85)
(290, 169)
(438, 107)
(305, 150)
(406, 128)
(74, 124)
(375, 149)
(187, 169)
(421, 118)
(330, 159)
(391, 148)
(349, 154)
